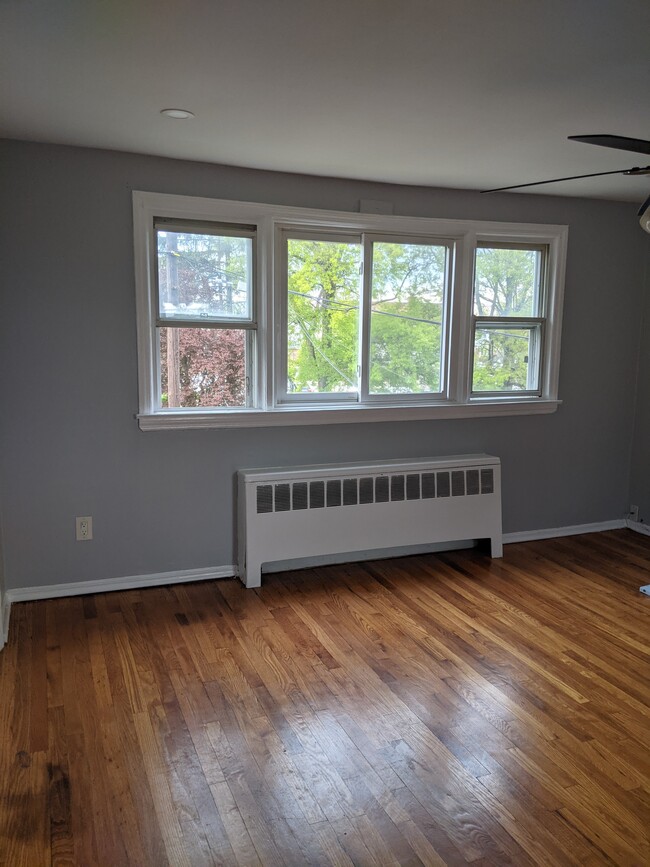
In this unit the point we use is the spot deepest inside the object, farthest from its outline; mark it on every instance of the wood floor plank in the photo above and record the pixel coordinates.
(38, 734)
(436, 710)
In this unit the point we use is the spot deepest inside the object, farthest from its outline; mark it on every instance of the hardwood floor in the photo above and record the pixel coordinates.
(431, 710)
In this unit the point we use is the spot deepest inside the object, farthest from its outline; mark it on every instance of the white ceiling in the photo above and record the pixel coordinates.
(453, 93)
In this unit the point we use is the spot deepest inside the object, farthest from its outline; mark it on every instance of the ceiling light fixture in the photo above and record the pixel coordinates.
(177, 113)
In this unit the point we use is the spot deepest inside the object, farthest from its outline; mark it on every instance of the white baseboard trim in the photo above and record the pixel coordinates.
(5, 609)
(157, 579)
(555, 532)
(129, 582)
(638, 527)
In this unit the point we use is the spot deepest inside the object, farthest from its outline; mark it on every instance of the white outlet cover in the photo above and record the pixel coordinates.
(84, 528)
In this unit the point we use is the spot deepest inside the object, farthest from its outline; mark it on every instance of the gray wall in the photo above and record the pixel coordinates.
(640, 469)
(164, 500)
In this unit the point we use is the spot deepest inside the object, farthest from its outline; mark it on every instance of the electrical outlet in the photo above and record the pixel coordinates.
(84, 528)
(634, 514)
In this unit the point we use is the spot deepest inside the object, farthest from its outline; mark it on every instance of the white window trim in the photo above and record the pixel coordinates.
(459, 403)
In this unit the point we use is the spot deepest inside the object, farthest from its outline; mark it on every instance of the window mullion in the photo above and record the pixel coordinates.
(461, 331)
(278, 315)
(365, 307)
(263, 383)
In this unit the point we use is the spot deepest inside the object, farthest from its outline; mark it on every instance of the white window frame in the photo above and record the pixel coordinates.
(267, 406)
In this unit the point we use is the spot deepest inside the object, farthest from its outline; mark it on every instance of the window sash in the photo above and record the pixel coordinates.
(216, 229)
(284, 234)
(536, 326)
(540, 285)
(250, 374)
(367, 241)
(372, 398)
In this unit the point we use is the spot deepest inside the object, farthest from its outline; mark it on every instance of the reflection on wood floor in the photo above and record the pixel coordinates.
(442, 709)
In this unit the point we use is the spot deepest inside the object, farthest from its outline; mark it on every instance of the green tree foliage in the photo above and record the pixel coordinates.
(506, 282)
(406, 316)
(323, 315)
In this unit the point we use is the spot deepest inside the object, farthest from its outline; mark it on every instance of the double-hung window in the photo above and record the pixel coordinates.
(205, 314)
(509, 319)
(252, 314)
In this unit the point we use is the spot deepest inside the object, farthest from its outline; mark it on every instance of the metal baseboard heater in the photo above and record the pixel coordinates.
(287, 513)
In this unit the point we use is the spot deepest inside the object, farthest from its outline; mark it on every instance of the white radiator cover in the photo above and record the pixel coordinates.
(286, 513)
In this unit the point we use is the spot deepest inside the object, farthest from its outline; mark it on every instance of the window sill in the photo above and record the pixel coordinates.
(219, 419)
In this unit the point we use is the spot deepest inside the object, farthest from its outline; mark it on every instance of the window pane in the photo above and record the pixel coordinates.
(406, 319)
(202, 367)
(323, 316)
(504, 359)
(204, 276)
(507, 282)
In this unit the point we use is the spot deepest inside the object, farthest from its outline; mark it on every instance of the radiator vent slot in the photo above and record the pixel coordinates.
(396, 488)
(381, 489)
(487, 481)
(349, 492)
(334, 492)
(413, 487)
(264, 498)
(317, 495)
(458, 483)
(428, 486)
(301, 496)
(366, 491)
(472, 482)
(442, 484)
(282, 497)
